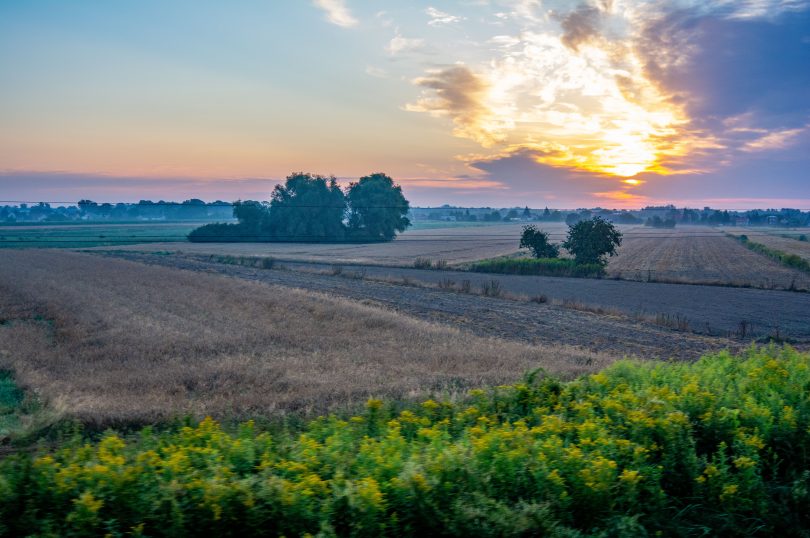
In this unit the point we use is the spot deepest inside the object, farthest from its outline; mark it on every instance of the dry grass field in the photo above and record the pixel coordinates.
(110, 341)
(698, 255)
(775, 239)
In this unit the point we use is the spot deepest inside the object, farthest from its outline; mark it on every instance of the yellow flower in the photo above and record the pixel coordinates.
(630, 476)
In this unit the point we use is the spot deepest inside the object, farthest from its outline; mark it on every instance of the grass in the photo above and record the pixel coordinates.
(130, 343)
(793, 261)
(92, 235)
(718, 447)
(11, 398)
(534, 266)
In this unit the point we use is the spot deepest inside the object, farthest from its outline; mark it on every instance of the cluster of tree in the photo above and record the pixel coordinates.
(87, 210)
(589, 241)
(658, 222)
(314, 208)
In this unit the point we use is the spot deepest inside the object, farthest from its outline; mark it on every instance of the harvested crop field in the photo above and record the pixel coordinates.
(541, 324)
(777, 240)
(699, 255)
(453, 245)
(112, 341)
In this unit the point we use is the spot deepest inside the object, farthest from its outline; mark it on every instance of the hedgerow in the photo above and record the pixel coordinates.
(538, 266)
(717, 447)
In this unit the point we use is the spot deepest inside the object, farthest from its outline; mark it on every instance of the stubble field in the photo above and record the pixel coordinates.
(110, 341)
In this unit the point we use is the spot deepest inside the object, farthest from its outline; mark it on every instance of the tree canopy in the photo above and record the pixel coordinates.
(537, 242)
(310, 207)
(592, 241)
(377, 208)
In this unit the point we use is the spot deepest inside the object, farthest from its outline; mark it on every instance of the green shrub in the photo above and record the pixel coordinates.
(718, 447)
(538, 266)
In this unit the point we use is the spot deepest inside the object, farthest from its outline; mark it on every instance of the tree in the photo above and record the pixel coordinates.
(377, 208)
(252, 215)
(537, 242)
(307, 208)
(590, 241)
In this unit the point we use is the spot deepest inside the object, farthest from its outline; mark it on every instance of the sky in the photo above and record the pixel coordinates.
(609, 103)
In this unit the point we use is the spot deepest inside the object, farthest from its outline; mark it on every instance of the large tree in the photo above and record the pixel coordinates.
(592, 241)
(307, 208)
(377, 208)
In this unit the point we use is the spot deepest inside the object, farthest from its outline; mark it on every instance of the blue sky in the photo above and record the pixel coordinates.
(616, 103)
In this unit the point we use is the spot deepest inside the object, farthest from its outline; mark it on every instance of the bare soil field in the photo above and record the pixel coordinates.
(111, 341)
(775, 239)
(699, 255)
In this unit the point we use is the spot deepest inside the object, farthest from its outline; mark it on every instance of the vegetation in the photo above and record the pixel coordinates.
(537, 242)
(788, 260)
(538, 266)
(716, 447)
(592, 241)
(377, 208)
(311, 208)
(91, 235)
(658, 222)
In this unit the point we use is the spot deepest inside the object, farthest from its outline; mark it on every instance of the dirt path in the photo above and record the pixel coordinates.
(530, 322)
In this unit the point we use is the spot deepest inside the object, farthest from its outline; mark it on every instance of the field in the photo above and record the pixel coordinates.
(111, 341)
(91, 235)
(775, 239)
(699, 255)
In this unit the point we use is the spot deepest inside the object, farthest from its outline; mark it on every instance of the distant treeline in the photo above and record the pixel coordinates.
(313, 208)
(655, 216)
(87, 210)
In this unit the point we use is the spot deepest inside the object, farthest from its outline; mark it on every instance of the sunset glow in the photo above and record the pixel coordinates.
(493, 102)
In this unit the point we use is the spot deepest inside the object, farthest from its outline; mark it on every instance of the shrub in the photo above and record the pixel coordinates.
(538, 266)
(719, 446)
(422, 263)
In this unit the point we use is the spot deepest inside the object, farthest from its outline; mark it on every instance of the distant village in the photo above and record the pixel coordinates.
(666, 216)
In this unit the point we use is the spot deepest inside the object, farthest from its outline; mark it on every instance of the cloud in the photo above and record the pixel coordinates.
(337, 12)
(440, 18)
(399, 44)
(376, 72)
(580, 26)
(457, 93)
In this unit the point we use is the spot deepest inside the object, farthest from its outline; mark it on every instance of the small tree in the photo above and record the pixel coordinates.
(591, 241)
(537, 242)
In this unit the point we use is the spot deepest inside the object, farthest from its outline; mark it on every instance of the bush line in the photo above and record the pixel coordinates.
(538, 266)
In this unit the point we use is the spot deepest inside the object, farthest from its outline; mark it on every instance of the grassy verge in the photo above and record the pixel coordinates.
(717, 447)
(788, 260)
(534, 266)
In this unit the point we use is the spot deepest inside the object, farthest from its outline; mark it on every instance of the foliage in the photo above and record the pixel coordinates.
(718, 447)
(538, 266)
(788, 260)
(307, 208)
(658, 222)
(591, 241)
(377, 208)
(537, 242)
(312, 208)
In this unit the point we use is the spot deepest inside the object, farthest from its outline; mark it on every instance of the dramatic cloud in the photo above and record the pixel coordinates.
(458, 93)
(579, 26)
(337, 12)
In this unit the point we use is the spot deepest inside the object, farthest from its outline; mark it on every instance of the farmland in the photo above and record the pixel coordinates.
(787, 242)
(112, 341)
(699, 255)
(91, 235)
